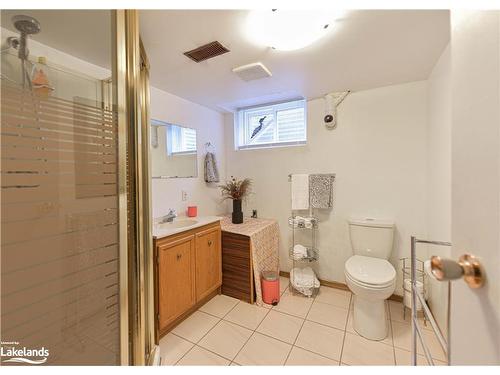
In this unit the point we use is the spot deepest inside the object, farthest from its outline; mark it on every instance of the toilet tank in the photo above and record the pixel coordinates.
(371, 237)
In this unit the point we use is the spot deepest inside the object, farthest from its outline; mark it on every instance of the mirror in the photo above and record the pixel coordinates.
(173, 151)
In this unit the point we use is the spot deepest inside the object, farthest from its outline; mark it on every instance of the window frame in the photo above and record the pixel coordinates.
(241, 124)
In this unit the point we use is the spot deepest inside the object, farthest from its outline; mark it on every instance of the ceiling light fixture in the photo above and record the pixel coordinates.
(289, 30)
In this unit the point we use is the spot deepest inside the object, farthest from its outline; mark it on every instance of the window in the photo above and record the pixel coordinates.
(271, 125)
(180, 140)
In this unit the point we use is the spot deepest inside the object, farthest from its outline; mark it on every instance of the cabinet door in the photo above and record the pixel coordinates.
(208, 262)
(176, 269)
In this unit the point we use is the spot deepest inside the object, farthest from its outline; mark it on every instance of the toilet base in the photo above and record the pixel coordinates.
(370, 319)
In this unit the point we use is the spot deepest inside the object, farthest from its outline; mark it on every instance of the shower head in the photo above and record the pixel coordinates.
(26, 25)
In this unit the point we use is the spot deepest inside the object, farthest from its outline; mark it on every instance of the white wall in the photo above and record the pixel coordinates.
(209, 125)
(378, 153)
(439, 176)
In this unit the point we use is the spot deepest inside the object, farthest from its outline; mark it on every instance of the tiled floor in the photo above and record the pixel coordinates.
(299, 331)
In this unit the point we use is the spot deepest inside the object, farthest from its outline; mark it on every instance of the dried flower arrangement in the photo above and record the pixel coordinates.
(236, 189)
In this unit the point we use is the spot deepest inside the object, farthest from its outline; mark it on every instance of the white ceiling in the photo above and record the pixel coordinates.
(85, 34)
(366, 49)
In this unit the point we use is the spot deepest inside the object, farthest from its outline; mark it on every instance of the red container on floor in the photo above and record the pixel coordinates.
(270, 283)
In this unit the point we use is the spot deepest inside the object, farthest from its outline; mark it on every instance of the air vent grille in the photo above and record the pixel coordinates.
(206, 51)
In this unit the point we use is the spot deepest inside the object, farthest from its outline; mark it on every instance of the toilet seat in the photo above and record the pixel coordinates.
(370, 272)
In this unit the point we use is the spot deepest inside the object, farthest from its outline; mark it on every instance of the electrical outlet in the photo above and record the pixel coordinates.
(184, 195)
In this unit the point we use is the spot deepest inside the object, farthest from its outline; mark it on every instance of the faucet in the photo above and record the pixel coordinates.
(169, 218)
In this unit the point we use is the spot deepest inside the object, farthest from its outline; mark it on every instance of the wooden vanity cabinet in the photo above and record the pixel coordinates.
(188, 272)
(208, 262)
(176, 287)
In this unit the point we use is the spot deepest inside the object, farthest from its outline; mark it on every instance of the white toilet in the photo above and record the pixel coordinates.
(370, 277)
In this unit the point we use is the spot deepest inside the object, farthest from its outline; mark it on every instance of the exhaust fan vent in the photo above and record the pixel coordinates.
(206, 51)
(252, 71)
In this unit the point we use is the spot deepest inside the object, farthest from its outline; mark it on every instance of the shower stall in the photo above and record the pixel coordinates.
(74, 261)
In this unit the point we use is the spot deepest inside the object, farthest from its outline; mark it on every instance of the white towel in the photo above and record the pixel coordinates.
(300, 191)
(299, 251)
(304, 280)
(305, 277)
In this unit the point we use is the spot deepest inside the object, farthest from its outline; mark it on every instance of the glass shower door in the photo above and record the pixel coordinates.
(61, 241)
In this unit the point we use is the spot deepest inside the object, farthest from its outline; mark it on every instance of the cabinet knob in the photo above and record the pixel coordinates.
(209, 243)
(179, 256)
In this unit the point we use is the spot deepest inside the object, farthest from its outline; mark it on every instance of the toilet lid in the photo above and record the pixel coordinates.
(368, 270)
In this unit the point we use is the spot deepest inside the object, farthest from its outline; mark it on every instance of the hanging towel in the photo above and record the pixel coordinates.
(321, 190)
(211, 171)
(300, 192)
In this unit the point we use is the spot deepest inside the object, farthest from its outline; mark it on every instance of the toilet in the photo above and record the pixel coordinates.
(369, 275)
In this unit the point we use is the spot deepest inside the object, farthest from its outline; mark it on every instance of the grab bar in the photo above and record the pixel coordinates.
(416, 330)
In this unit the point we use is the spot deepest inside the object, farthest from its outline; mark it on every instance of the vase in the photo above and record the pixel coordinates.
(237, 213)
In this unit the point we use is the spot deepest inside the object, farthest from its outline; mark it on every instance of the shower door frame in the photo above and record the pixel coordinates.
(120, 92)
(136, 243)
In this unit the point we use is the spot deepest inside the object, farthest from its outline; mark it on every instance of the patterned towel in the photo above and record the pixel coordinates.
(321, 190)
(211, 171)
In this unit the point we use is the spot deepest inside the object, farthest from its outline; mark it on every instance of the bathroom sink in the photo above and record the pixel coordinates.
(182, 223)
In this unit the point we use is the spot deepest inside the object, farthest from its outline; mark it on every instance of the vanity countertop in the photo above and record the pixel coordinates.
(181, 224)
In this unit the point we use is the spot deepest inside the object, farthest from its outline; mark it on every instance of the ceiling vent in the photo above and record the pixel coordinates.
(206, 51)
(252, 71)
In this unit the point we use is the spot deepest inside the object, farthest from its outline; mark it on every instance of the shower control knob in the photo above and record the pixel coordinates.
(468, 267)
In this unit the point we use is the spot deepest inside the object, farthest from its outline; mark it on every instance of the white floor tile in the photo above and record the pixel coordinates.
(196, 326)
(294, 304)
(321, 339)
(350, 322)
(202, 357)
(360, 351)
(301, 357)
(402, 339)
(402, 315)
(332, 296)
(172, 348)
(329, 315)
(225, 339)
(281, 326)
(263, 350)
(403, 358)
(284, 281)
(219, 306)
(247, 315)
